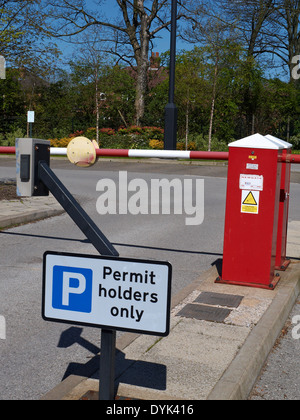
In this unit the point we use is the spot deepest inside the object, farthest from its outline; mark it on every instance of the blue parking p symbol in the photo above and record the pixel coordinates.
(72, 289)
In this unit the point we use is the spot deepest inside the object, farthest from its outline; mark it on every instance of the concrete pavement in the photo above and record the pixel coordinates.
(25, 210)
(200, 359)
(220, 334)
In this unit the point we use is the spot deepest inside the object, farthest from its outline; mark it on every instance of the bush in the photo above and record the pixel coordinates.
(156, 144)
(201, 142)
(90, 133)
(295, 140)
(60, 142)
(181, 145)
(77, 133)
(134, 137)
(146, 132)
(106, 131)
(9, 139)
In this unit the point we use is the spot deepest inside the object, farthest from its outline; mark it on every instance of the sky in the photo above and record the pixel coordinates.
(111, 9)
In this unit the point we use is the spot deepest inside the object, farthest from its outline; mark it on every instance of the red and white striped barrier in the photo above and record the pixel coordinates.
(141, 153)
(162, 154)
(7, 150)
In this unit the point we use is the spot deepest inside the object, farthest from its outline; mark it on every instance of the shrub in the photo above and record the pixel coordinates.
(77, 133)
(146, 132)
(201, 143)
(60, 142)
(156, 144)
(295, 140)
(9, 139)
(134, 129)
(107, 131)
(154, 132)
(181, 145)
(91, 133)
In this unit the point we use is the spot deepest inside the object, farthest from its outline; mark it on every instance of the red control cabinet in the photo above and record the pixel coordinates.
(252, 212)
(281, 260)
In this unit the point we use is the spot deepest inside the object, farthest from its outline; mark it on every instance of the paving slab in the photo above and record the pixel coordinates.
(27, 210)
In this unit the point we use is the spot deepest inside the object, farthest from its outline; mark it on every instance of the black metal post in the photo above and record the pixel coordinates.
(104, 247)
(107, 365)
(171, 112)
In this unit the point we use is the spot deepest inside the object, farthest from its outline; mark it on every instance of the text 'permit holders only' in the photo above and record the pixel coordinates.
(107, 292)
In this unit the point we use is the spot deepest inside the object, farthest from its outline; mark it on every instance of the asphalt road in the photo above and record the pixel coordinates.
(280, 376)
(37, 355)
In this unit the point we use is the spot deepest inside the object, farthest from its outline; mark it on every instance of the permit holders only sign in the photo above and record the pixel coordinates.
(107, 292)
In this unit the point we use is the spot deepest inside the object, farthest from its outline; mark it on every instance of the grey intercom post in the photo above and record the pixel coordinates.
(29, 152)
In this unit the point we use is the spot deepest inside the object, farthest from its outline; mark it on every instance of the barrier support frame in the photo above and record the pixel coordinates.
(104, 247)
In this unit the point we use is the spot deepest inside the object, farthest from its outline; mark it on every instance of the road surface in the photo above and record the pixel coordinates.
(36, 355)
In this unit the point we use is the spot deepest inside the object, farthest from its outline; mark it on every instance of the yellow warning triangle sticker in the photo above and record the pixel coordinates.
(250, 199)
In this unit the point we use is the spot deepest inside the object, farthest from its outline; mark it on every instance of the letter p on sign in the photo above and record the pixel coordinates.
(72, 289)
(68, 288)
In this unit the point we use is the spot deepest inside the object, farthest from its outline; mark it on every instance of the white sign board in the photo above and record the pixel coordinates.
(107, 292)
(251, 182)
(30, 116)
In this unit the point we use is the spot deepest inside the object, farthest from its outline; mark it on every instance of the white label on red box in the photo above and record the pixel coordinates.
(252, 182)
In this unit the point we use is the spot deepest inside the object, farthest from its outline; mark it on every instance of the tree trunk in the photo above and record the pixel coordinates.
(141, 56)
(141, 88)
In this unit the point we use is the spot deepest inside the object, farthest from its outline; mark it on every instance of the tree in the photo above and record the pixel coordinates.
(284, 37)
(269, 28)
(11, 100)
(89, 63)
(250, 18)
(128, 37)
(22, 43)
(190, 86)
(218, 46)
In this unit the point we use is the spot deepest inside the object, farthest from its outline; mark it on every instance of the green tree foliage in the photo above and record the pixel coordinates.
(22, 42)
(11, 102)
(246, 101)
